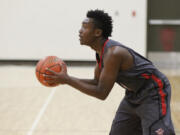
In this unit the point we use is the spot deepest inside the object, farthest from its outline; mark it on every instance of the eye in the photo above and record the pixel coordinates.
(85, 25)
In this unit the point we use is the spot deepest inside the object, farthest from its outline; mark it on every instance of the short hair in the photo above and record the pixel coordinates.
(102, 21)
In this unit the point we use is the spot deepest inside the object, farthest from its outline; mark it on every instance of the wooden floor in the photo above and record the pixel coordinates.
(28, 108)
(175, 101)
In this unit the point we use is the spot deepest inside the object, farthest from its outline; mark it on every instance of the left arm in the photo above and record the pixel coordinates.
(107, 78)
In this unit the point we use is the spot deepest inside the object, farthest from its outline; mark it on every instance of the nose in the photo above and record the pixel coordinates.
(80, 31)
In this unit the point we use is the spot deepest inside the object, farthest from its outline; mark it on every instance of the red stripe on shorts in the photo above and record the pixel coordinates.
(161, 92)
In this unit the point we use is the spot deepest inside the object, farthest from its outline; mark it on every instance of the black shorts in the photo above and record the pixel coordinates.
(150, 117)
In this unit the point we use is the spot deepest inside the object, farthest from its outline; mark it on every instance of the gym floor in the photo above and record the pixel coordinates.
(28, 108)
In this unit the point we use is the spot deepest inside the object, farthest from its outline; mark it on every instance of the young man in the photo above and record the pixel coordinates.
(145, 109)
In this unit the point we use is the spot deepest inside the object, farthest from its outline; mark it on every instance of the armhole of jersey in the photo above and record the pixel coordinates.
(134, 60)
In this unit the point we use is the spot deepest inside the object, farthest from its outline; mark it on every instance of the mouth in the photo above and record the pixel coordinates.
(80, 37)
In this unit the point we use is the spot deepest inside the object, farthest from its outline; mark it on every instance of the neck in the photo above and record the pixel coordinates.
(98, 45)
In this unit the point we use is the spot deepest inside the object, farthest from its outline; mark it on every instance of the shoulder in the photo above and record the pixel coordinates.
(117, 51)
(119, 57)
(114, 56)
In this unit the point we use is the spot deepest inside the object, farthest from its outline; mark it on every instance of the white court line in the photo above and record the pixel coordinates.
(30, 132)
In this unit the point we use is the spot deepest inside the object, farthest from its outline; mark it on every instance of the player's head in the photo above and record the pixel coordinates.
(102, 21)
(97, 24)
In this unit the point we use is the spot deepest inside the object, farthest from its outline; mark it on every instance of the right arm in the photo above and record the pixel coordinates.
(104, 79)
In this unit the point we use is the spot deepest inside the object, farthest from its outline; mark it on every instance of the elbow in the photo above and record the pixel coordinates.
(102, 96)
(102, 93)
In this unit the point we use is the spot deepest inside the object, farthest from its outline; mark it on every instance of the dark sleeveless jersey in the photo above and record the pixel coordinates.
(138, 76)
(148, 93)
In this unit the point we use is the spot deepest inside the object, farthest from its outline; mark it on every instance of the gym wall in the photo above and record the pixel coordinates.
(32, 29)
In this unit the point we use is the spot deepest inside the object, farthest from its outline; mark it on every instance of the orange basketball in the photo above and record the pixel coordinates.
(52, 62)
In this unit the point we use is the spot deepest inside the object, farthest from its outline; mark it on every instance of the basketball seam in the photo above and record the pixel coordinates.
(45, 72)
(55, 65)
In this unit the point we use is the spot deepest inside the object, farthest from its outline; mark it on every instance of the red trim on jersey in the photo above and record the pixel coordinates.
(161, 92)
(102, 52)
(146, 76)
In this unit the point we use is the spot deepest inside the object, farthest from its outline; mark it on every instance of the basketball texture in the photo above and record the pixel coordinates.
(52, 62)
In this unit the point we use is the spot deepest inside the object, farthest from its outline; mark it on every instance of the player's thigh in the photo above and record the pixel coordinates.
(130, 126)
(125, 121)
(155, 115)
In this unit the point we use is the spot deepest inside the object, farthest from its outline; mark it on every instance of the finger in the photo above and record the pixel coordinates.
(49, 81)
(63, 67)
(48, 69)
(49, 76)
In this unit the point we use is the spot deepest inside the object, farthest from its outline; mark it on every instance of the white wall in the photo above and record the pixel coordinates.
(32, 29)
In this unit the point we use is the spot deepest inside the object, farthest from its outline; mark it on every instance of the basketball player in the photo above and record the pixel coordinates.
(145, 108)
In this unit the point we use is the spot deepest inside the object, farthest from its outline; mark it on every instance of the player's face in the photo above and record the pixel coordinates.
(87, 32)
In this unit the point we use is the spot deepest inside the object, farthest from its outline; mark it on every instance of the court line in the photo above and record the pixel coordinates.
(30, 132)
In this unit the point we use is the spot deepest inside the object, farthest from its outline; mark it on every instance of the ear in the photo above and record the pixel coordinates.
(98, 32)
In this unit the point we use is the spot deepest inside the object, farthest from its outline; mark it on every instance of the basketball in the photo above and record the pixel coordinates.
(52, 62)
